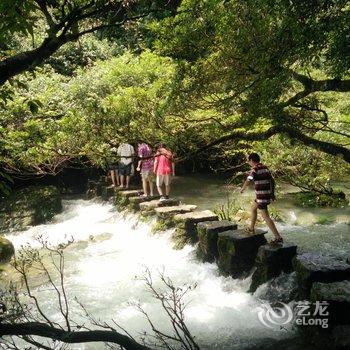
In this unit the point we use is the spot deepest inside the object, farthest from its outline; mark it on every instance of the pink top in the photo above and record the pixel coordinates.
(164, 163)
(145, 151)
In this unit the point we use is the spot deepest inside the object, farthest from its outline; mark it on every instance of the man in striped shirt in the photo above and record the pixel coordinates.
(264, 184)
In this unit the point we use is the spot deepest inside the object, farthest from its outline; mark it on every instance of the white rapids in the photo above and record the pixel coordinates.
(109, 253)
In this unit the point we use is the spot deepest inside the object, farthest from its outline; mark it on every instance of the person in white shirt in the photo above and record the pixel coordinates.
(126, 153)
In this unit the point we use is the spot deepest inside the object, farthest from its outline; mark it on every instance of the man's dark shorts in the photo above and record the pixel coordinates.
(114, 166)
(262, 206)
(125, 170)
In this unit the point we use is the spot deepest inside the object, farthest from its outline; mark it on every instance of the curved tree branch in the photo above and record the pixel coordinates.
(324, 146)
(46, 331)
(65, 30)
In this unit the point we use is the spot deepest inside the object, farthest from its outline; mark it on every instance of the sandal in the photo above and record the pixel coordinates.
(249, 231)
(276, 241)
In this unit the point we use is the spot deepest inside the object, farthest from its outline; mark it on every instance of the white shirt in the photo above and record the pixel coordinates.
(125, 150)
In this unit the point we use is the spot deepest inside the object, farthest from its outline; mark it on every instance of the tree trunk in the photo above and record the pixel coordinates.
(11, 66)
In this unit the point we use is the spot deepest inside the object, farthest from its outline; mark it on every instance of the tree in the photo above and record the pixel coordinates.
(267, 67)
(71, 119)
(62, 21)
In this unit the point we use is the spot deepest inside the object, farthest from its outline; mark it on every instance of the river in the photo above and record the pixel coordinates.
(111, 251)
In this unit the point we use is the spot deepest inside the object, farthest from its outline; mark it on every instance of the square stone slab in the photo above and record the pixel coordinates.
(148, 206)
(165, 212)
(313, 267)
(207, 249)
(130, 193)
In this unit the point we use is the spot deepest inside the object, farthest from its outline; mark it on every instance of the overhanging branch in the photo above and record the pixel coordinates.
(324, 146)
(46, 331)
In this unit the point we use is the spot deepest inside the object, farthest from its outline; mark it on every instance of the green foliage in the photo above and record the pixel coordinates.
(244, 59)
(313, 200)
(276, 214)
(324, 220)
(228, 210)
(17, 16)
(82, 53)
(56, 119)
(233, 67)
(162, 225)
(305, 168)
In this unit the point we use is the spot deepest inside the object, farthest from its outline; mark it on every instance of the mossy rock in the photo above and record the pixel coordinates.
(107, 192)
(314, 267)
(237, 251)
(180, 238)
(208, 231)
(32, 205)
(271, 261)
(122, 198)
(134, 202)
(7, 250)
(335, 298)
(162, 225)
(121, 202)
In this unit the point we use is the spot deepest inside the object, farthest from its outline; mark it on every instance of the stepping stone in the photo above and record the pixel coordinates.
(271, 261)
(151, 205)
(207, 249)
(167, 212)
(130, 193)
(237, 251)
(134, 202)
(121, 199)
(186, 226)
(315, 267)
(189, 221)
(107, 192)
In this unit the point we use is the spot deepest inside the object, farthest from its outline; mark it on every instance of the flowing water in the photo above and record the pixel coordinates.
(111, 251)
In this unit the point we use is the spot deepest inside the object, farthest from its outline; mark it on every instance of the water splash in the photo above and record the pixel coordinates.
(111, 250)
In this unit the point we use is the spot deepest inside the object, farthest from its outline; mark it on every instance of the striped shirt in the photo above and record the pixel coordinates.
(263, 182)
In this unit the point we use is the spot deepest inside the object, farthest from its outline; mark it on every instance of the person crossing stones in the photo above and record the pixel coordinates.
(264, 184)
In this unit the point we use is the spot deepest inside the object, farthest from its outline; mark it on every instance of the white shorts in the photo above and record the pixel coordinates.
(163, 179)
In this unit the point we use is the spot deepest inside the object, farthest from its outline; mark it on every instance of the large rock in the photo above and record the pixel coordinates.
(6, 250)
(148, 207)
(328, 324)
(186, 226)
(207, 249)
(237, 251)
(315, 267)
(271, 261)
(32, 205)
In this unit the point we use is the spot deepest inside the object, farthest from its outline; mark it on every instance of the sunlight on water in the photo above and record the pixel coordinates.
(111, 253)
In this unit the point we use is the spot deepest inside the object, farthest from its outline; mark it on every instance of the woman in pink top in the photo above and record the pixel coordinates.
(164, 168)
(145, 166)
